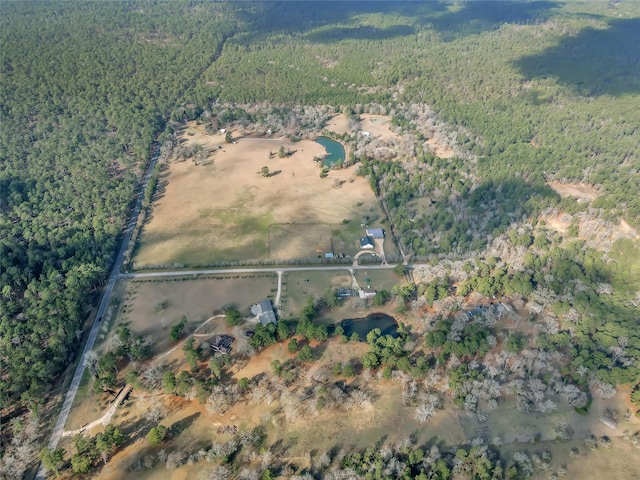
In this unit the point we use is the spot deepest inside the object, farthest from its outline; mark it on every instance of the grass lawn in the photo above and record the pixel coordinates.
(151, 308)
(378, 279)
(299, 286)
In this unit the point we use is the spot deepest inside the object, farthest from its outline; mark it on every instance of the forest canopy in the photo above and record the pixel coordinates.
(532, 90)
(85, 89)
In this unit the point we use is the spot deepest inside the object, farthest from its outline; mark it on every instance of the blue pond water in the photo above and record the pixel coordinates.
(334, 150)
(386, 323)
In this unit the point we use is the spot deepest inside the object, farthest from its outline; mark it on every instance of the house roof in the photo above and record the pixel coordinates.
(366, 292)
(375, 232)
(366, 242)
(264, 311)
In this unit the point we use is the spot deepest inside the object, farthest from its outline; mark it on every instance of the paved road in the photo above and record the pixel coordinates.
(215, 271)
(104, 303)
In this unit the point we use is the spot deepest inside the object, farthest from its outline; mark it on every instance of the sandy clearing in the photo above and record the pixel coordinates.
(223, 211)
(339, 124)
(377, 126)
(580, 191)
(438, 150)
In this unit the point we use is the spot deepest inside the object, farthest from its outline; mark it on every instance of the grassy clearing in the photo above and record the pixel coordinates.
(288, 241)
(299, 286)
(220, 212)
(152, 307)
(378, 279)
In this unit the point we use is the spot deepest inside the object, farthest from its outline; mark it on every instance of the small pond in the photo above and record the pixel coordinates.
(335, 151)
(386, 323)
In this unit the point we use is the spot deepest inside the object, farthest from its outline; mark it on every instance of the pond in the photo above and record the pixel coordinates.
(335, 151)
(386, 323)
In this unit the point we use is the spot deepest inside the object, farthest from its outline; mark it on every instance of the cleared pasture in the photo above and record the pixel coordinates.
(378, 279)
(153, 306)
(222, 211)
(299, 286)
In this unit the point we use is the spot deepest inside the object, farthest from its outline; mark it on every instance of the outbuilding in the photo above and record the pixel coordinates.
(375, 232)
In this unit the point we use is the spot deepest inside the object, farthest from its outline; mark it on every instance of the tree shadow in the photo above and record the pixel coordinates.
(181, 425)
(361, 32)
(476, 17)
(594, 62)
(267, 18)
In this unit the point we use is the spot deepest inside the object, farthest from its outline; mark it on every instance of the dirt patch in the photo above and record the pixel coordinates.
(440, 150)
(339, 124)
(580, 191)
(377, 126)
(598, 233)
(628, 230)
(222, 211)
(616, 463)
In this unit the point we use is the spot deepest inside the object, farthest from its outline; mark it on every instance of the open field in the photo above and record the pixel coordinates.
(299, 286)
(296, 240)
(196, 299)
(377, 126)
(222, 211)
(339, 124)
(378, 279)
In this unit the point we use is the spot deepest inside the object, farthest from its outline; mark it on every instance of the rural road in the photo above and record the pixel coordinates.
(56, 435)
(214, 271)
(115, 275)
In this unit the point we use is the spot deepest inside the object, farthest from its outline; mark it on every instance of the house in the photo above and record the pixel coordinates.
(375, 232)
(222, 344)
(366, 242)
(366, 293)
(264, 311)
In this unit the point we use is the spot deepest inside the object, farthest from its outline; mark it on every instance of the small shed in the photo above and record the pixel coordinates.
(366, 293)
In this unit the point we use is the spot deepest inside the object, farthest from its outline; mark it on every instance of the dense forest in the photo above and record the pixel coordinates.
(85, 89)
(529, 92)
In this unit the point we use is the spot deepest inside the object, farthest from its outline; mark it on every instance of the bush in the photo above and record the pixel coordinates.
(306, 354)
(348, 371)
(156, 435)
(233, 317)
(293, 346)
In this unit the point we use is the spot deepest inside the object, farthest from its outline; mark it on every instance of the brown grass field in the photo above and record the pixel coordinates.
(339, 124)
(223, 211)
